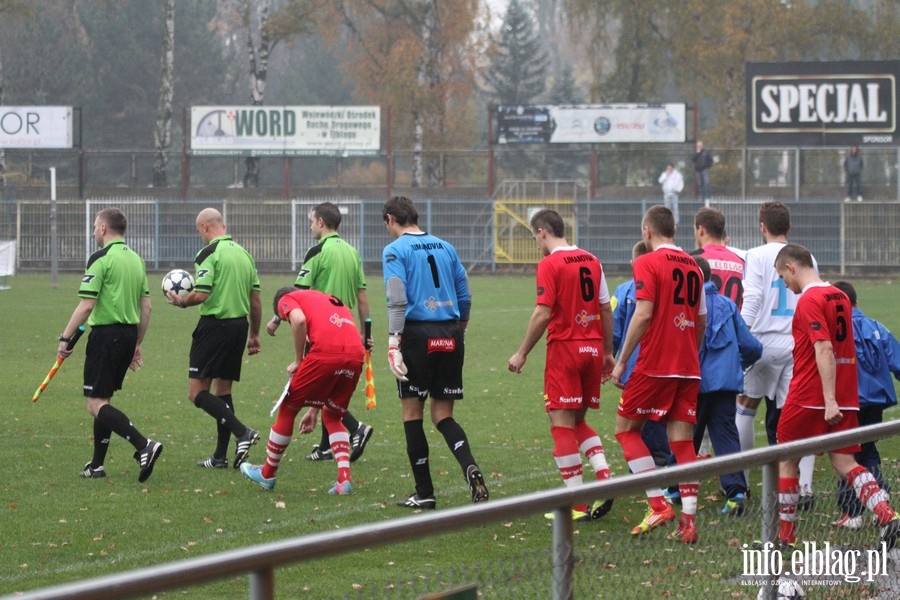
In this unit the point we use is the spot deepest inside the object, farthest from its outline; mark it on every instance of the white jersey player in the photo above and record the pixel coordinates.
(768, 311)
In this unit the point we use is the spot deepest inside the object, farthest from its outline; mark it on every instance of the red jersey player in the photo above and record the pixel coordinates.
(823, 396)
(669, 322)
(324, 374)
(573, 306)
(726, 267)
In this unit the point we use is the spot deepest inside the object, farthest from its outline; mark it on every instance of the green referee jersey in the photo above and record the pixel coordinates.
(116, 278)
(226, 272)
(334, 267)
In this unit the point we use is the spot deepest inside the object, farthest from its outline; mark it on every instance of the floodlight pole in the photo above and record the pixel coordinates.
(54, 238)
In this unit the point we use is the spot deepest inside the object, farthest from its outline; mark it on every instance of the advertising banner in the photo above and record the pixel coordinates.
(35, 126)
(286, 130)
(822, 103)
(591, 124)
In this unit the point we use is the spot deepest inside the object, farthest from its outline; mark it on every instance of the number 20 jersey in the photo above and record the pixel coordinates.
(670, 279)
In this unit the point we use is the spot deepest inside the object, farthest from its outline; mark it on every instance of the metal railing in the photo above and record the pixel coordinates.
(260, 562)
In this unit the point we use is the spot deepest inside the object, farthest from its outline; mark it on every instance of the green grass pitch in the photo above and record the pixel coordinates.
(57, 527)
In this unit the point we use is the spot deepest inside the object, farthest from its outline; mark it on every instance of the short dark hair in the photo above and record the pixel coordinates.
(114, 219)
(403, 210)
(704, 267)
(660, 220)
(794, 253)
(847, 288)
(776, 216)
(281, 293)
(712, 220)
(639, 249)
(329, 213)
(549, 220)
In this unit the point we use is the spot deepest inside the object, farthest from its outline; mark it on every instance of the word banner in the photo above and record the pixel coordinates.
(286, 130)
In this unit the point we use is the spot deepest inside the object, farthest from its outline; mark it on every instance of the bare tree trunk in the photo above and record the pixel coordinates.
(162, 135)
(429, 75)
(259, 64)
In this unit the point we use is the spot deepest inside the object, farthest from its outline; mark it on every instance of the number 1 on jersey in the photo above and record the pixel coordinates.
(782, 309)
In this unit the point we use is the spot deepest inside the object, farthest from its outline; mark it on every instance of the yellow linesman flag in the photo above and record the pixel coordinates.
(370, 383)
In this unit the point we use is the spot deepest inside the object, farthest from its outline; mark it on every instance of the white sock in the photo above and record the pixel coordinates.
(807, 465)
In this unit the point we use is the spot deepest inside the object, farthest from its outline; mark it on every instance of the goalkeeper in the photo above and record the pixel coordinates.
(428, 305)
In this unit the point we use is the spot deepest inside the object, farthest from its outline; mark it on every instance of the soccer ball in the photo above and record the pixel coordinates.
(178, 281)
(787, 589)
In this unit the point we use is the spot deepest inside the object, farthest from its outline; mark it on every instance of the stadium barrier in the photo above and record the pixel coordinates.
(490, 235)
(718, 566)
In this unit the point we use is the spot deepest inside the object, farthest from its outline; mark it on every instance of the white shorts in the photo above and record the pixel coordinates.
(770, 376)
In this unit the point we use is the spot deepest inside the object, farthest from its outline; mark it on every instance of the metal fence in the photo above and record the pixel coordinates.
(489, 234)
(607, 170)
(835, 563)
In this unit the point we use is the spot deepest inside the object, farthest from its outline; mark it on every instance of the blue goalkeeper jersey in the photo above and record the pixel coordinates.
(432, 275)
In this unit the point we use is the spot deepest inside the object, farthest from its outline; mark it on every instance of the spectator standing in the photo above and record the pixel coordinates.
(703, 161)
(573, 307)
(853, 168)
(115, 304)
(669, 322)
(877, 357)
(226, 286)
(672, 184)
(823, 396)
(324, 373)
(428, 304)
(334, 267)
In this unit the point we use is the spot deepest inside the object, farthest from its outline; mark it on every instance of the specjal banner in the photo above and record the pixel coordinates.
(35, 126)
(286, 130)
(822, 103)
(591, 123)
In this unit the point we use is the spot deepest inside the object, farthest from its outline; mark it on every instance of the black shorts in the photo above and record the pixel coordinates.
(433, 353)
(217, 349)
(110, 349)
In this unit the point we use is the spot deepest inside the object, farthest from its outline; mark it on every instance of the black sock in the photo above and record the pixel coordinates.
(457, 442)
(417, 451)
(114, 419)
(350, 422)
(101, 443)
(324, 443)
(223, 433)
(218, 410)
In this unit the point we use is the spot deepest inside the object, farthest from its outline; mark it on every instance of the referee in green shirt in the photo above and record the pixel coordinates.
(115, 303)
(334, 267)
(226, 286)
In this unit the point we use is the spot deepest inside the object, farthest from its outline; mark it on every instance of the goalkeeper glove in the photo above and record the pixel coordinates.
(395, 358)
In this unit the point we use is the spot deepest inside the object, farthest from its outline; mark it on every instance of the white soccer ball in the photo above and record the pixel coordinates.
(787, 589)
(179, 281)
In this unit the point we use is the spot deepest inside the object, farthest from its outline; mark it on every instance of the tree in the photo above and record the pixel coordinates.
(417, 56)
(7, 8)
(518, 70)
(162, 135)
